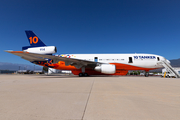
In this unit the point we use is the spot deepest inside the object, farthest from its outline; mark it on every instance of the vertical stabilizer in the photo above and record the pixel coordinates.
(33, 39)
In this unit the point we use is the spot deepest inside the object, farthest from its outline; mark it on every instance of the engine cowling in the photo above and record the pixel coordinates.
(106, 68)
(42, 50)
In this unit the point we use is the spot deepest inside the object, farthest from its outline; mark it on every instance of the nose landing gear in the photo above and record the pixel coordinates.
(146, 74)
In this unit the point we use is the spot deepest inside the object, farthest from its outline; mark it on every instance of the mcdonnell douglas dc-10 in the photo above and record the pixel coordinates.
(87, 64)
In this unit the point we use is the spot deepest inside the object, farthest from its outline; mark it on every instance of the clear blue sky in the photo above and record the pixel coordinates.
(92, 26)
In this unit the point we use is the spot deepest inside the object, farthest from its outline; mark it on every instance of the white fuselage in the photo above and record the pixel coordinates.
(138, 60)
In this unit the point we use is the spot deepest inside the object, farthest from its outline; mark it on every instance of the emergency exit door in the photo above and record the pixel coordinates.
(95, 59)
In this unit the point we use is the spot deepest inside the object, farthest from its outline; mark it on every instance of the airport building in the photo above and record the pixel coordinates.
(7, 71)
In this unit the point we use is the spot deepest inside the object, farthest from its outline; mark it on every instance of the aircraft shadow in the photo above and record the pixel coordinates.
(74, 76)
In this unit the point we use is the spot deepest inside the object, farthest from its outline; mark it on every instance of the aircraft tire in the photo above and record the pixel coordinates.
(85, 74)
(146, 74)
(80, 74)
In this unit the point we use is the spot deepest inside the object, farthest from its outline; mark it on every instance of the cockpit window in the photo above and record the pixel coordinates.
(158, 58)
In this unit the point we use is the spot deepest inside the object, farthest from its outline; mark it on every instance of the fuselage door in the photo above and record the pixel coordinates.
(158, 59)
(95, 59)
(130, 60)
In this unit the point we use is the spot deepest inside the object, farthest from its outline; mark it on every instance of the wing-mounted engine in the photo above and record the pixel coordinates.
(40, 50)
(106, 68)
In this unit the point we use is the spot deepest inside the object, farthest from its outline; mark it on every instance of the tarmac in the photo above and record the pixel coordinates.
(57, 97)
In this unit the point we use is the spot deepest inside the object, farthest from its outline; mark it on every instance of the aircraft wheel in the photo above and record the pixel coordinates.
(85, 74)
(146, 74)
(80, 74)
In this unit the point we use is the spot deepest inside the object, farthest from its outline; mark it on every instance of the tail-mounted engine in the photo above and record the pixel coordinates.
(40, 50)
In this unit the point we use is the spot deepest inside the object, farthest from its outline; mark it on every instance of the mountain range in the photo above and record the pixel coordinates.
(15, 66)
(175, 62)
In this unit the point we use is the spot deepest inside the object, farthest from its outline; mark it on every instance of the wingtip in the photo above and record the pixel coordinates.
(11, 51)
(8, 51)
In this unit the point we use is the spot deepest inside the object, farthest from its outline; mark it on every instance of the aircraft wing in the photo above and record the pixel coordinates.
(40, 57)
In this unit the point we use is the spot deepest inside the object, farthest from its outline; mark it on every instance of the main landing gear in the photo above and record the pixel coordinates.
(83, 75)
(146, 74)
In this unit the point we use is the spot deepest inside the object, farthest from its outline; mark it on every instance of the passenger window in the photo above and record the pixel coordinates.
(130, 60)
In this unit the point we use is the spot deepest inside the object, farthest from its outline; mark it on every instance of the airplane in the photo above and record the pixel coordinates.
(87, 64)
